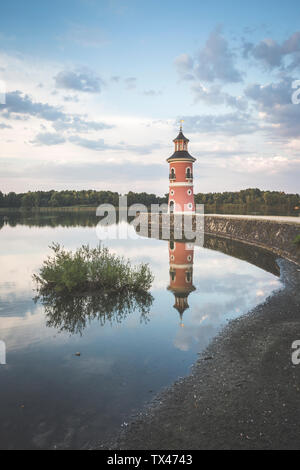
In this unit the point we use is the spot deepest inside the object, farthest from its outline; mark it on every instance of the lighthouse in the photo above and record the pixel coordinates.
(181, 186)
(181, 257)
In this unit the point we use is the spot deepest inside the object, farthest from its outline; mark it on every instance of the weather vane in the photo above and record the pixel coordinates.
(181, 121)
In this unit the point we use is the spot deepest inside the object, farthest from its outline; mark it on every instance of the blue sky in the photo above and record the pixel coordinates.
(95, 90)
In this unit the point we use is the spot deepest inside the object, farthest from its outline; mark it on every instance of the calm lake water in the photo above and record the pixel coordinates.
(51, 398)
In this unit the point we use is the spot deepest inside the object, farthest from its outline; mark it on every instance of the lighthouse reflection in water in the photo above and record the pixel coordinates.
(181, 259)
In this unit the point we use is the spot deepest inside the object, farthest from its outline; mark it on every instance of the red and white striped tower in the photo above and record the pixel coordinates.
(181, 192)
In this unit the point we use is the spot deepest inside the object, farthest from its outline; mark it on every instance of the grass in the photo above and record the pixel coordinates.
(297, 240)
(90, 269)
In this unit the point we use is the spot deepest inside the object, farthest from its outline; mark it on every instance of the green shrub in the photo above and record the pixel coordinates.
(297, 240)
(90, 269)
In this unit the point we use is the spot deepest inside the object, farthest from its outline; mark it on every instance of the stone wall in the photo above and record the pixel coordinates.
(274, 235)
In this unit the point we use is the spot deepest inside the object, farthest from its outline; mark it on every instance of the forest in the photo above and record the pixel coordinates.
(91, 198)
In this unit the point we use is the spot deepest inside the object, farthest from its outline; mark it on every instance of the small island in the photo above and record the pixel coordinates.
(89, 270)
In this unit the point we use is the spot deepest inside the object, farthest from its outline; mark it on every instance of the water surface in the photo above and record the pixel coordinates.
(51, 398)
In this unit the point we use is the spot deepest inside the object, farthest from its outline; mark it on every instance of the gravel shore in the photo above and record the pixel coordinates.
(243, 392)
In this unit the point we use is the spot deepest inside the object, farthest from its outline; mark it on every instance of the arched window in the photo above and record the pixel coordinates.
(172, 206)
(188, 276)
(172, 175)
(188, 172)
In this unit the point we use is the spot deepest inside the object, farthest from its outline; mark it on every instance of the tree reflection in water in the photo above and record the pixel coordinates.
(74, 313)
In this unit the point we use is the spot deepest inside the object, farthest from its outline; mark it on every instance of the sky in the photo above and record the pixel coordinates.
(92, 92)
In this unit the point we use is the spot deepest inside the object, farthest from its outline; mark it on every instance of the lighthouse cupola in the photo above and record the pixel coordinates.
(181, 142)
(181, 185)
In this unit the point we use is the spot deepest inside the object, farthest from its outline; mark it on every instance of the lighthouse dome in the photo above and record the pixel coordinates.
(181, 137)
(181, 149)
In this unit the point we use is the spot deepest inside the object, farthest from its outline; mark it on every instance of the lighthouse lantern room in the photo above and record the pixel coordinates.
(181, 192)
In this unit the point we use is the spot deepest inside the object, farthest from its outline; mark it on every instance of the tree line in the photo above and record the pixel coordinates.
(69, 198)
(252, 196)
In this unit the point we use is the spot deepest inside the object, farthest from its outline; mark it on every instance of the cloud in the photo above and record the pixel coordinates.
(89, 144)
(20, 106)
(100, 145)
(272, 164)
(130, 83)
(273, 101)
(71, 99)
(214, 96)
(272, 54)
(48, 139)
(76, 123)
(19, 103)
(138, 149)
(237, 123)
(84, 81)
(184, 65)
(214, 62)
(151, 93)
(4, 126)
(271, 95)
(269, 52)
(83, 172)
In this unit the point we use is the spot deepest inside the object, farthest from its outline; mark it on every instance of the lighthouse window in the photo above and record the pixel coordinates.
(188, 173)
(173, 275)
(172, 174)
(188, 276)
(172, 245)
(172, 192)
(189, 258)
(172, 257)
(189, 192)
(190, 206)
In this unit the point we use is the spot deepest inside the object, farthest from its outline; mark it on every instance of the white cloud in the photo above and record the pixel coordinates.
(273, 54)
(215, 61)
(80, 80)
(48, 138)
